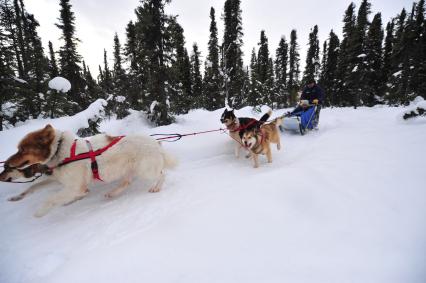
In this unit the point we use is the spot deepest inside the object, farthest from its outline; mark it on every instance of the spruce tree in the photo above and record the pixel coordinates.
(387, 51)
(232, 54)
(136, 81)
(69, 59)
(418, 65)
(53, 67)
(119, 83)
(345, 63)
(180, 76)
(329, 77)
(212, 84)
(293, 74)
(312, 57)
(152, 48)
(281, 62)
(254, 92)
(263, 72)
(356, 53)
(197, 80)
(374, 77)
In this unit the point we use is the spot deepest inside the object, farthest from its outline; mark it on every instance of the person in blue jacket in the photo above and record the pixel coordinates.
(312, 94)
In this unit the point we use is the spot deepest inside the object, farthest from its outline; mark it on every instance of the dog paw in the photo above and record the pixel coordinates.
(16, 198)
(41, 212)
(154, 190)
(109, 195)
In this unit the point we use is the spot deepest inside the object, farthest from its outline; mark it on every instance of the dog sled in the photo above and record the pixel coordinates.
(302, 121)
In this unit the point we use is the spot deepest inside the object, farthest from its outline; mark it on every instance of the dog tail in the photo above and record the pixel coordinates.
(266, 116)
(170, 161)
(277, 121)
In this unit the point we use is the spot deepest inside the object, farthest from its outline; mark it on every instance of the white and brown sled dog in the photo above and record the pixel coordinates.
(258, 140)
(132, 156)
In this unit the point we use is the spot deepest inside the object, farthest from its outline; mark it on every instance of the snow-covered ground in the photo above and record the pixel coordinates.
(346, 203)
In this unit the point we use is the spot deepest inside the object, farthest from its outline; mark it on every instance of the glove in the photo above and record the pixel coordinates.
(315, 101)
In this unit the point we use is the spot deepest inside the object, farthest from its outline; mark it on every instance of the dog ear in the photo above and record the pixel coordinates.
(48, 127)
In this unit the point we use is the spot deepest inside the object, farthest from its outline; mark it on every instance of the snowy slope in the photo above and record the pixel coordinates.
(343, 204)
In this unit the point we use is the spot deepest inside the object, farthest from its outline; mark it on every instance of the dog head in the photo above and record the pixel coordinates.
(228, 117)
(250, 137)
(36, 147)
(11, 174)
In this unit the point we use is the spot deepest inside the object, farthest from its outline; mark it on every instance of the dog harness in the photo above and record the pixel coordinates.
(89, 155)
(243, 127)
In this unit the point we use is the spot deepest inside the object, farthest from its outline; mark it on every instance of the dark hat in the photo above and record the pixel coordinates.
(311, 81)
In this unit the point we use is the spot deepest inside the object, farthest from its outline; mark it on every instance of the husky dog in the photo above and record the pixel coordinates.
(132, 156)
(258, 140)
(237, 126)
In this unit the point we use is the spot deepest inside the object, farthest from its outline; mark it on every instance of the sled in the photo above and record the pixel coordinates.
(300, 122)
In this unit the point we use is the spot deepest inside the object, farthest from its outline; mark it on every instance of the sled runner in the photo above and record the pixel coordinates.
(301, 121)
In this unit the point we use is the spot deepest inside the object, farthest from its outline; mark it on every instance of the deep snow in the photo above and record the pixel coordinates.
(346, 203)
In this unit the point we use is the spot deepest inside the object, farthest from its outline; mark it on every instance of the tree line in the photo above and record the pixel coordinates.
(154, 72)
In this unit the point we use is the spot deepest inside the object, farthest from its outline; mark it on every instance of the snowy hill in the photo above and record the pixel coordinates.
(346, 203)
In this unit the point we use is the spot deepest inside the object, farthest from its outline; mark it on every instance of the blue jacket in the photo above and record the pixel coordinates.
(313, 93)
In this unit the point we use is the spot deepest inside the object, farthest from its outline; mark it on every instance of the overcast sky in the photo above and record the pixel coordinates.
(98, 20)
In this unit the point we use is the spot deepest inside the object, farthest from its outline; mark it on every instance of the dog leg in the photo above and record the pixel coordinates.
(279, 143)
(237, 150)
(269, 153)
(31, 190)
(256, 160)
(123, 186)
(65, 196)
(157, 187)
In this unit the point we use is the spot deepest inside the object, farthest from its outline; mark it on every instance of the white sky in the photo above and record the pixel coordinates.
(98, 20)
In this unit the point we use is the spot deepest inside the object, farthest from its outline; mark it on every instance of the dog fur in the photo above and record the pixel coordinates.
(238, 125)
(133, 156)
(258, 140)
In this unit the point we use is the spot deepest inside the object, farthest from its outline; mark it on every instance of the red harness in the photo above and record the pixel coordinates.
(90, 154)
(243, 127)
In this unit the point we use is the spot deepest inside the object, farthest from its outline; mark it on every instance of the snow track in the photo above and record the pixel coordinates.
(343, 204)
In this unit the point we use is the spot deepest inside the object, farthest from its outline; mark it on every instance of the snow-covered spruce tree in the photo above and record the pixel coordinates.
(53, 66)
(387, 55)
(232, 55)
(92, 89)
(312, 66)
(7, 66)
(281, 62)
(152, 46)
(263, 72)
(418, 67)
(356, 53)
(69, 59)
(345, 64)
(38, 67)
(329, 74)
(119, 83)
(212, 84)
(254, 93)
(135, 79)
(197, 80)
(398, 80)
(106, 78)
(374, 75)
(293, 70)
(180, 81)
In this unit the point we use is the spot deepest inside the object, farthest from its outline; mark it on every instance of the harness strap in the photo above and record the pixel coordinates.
(73, 147)
(87, 155)
(243, 127)
(93, 162)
